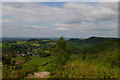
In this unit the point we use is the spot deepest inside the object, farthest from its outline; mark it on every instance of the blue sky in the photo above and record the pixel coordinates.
(54, 19)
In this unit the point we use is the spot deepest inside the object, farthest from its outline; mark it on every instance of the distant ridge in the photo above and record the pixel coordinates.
(92, 39)
(28, 38)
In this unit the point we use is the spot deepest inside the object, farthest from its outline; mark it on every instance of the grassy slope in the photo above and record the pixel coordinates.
(40, 61)
(19, 59)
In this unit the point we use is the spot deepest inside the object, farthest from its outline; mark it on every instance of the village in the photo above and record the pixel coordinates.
(27, 48)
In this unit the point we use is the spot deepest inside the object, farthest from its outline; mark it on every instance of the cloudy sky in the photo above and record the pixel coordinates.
(54, 19)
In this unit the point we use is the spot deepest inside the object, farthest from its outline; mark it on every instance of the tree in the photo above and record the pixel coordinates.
(13, 62)
(62, 51)
(6, 60)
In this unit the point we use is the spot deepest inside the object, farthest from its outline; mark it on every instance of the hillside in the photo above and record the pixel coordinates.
(101, 61)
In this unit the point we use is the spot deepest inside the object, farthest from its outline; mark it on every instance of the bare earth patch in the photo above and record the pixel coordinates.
(39, 75)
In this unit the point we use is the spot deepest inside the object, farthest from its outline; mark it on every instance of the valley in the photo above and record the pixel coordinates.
(95, 57)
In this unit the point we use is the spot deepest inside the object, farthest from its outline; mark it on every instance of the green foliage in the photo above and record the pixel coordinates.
(104, 53)
(101, 61)
(13, 62)
(52, 67)
(61, 44)
(75, 58)
(81, 69)
(40, 61)
(6, 60)
(11, 72)
(62, 51)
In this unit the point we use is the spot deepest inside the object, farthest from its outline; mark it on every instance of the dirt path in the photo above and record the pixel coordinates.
(39, 75)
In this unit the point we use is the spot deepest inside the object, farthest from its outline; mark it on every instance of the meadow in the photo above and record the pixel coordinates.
(40, 61)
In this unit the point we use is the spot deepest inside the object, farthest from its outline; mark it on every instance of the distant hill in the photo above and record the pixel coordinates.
(33, 40)
(28, 38)
(91, 39)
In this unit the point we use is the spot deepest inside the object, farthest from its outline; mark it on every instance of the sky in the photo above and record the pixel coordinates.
(55, 19)
(60, 0)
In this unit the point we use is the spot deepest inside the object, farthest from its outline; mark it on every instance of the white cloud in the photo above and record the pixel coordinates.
(30, 12)
(37, 27)
(7, 21)
(62, 28)
(93, 13)
(73, 17)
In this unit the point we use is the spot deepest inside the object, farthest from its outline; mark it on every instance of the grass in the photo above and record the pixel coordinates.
(40, 61)
(35, 44)
(20, 58)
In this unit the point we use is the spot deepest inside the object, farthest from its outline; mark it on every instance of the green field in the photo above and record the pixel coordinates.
(20, 58)
(35, 44)
(40, 61)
